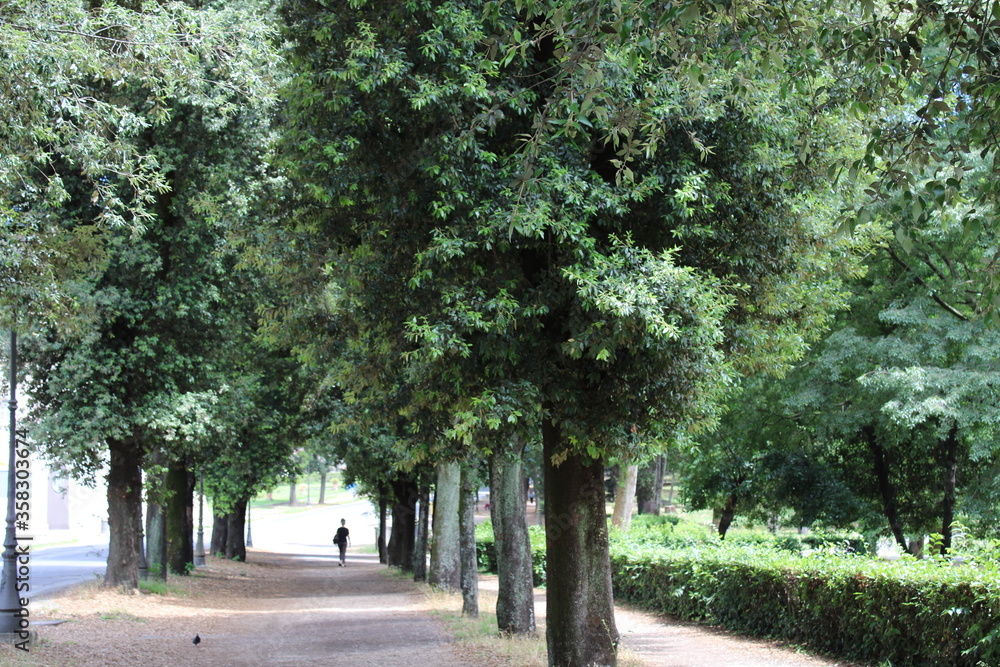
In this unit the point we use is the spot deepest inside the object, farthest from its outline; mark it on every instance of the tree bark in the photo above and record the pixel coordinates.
(580, 615)
(404, 523)
(291, 494)
(950, 461)
(124, 513)
(156, 540)
(467, 541)
(180, 517)
(423, 525)
(880, 460)
(446, 566)
(322, 487)
(236, 521)
(515, 596)
(220, 529)
(727, 515)
(622, 515)
(649, 496)
(383, 510)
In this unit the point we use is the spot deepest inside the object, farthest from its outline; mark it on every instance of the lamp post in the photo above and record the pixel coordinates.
(249, 541)
(12, 614)
(199, 545)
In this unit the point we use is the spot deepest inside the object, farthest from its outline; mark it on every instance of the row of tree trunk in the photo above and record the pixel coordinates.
(164, 544)
(580, 605)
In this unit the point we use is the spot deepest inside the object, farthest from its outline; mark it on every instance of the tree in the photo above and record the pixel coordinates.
(446, 565)
(766, 459)
(594, 275)
(77, 132)
(142, 345)
(625, 498)
(515, 571)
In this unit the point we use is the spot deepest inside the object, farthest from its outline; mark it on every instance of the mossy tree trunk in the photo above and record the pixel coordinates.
(624, 497)
(156, 540)
(949, 457)
(580, 617)
(404, 523)
(446, 567)
(236, 548)
(515, 596)
(423, 525)
(220, 529)
(383, 510)
(467, 541)
(180, 516)
(124, 480)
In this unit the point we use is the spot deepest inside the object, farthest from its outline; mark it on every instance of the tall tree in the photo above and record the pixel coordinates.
(620, 285)
(142, 345)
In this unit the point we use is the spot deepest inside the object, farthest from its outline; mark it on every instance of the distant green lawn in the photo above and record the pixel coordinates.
(306, 494)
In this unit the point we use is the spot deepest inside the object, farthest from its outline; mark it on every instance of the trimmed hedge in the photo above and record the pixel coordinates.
(907, 612)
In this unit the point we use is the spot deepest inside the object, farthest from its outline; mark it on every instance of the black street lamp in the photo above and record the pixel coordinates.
(13, 617)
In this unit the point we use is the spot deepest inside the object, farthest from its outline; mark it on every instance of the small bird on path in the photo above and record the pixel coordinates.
(196, 640)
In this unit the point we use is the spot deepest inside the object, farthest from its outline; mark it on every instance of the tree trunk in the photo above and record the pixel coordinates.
(124, 513)
(515, 596)
(383, 552)
(727, 515)
(220, 529)
(580, 615)
(622, 515)
(236, 548)
(180, 517)
(404, 523)
(446, 567)
(156, 540)
(423, 525)
(950, 460)
(649, 488)
(880, 460)
(467, 541)
(143, 562)
(322, 487)
(291, 494)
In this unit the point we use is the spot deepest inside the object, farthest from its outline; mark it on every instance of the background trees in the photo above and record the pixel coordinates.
(496, 223)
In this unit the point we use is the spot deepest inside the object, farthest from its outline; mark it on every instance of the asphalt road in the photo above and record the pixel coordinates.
(305, 532)
(53, 569)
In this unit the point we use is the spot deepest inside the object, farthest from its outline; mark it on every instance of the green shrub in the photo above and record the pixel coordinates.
(908, 612)
(486, 553)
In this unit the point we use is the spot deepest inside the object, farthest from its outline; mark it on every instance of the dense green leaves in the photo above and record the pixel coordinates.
(83, 87)
(910, 611)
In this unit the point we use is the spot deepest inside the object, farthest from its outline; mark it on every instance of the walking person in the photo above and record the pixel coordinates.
(342, 539)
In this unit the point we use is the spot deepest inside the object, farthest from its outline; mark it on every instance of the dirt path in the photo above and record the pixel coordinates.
(661, 642)
(658, 641)
(274, 611)
(304, 611)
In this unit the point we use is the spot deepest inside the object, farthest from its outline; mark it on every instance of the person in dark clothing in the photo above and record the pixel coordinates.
(342, 539)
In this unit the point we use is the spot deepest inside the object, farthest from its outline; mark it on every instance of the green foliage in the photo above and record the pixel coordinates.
(83, 85)
(486, 554)
(909, 612)
(495, 239)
